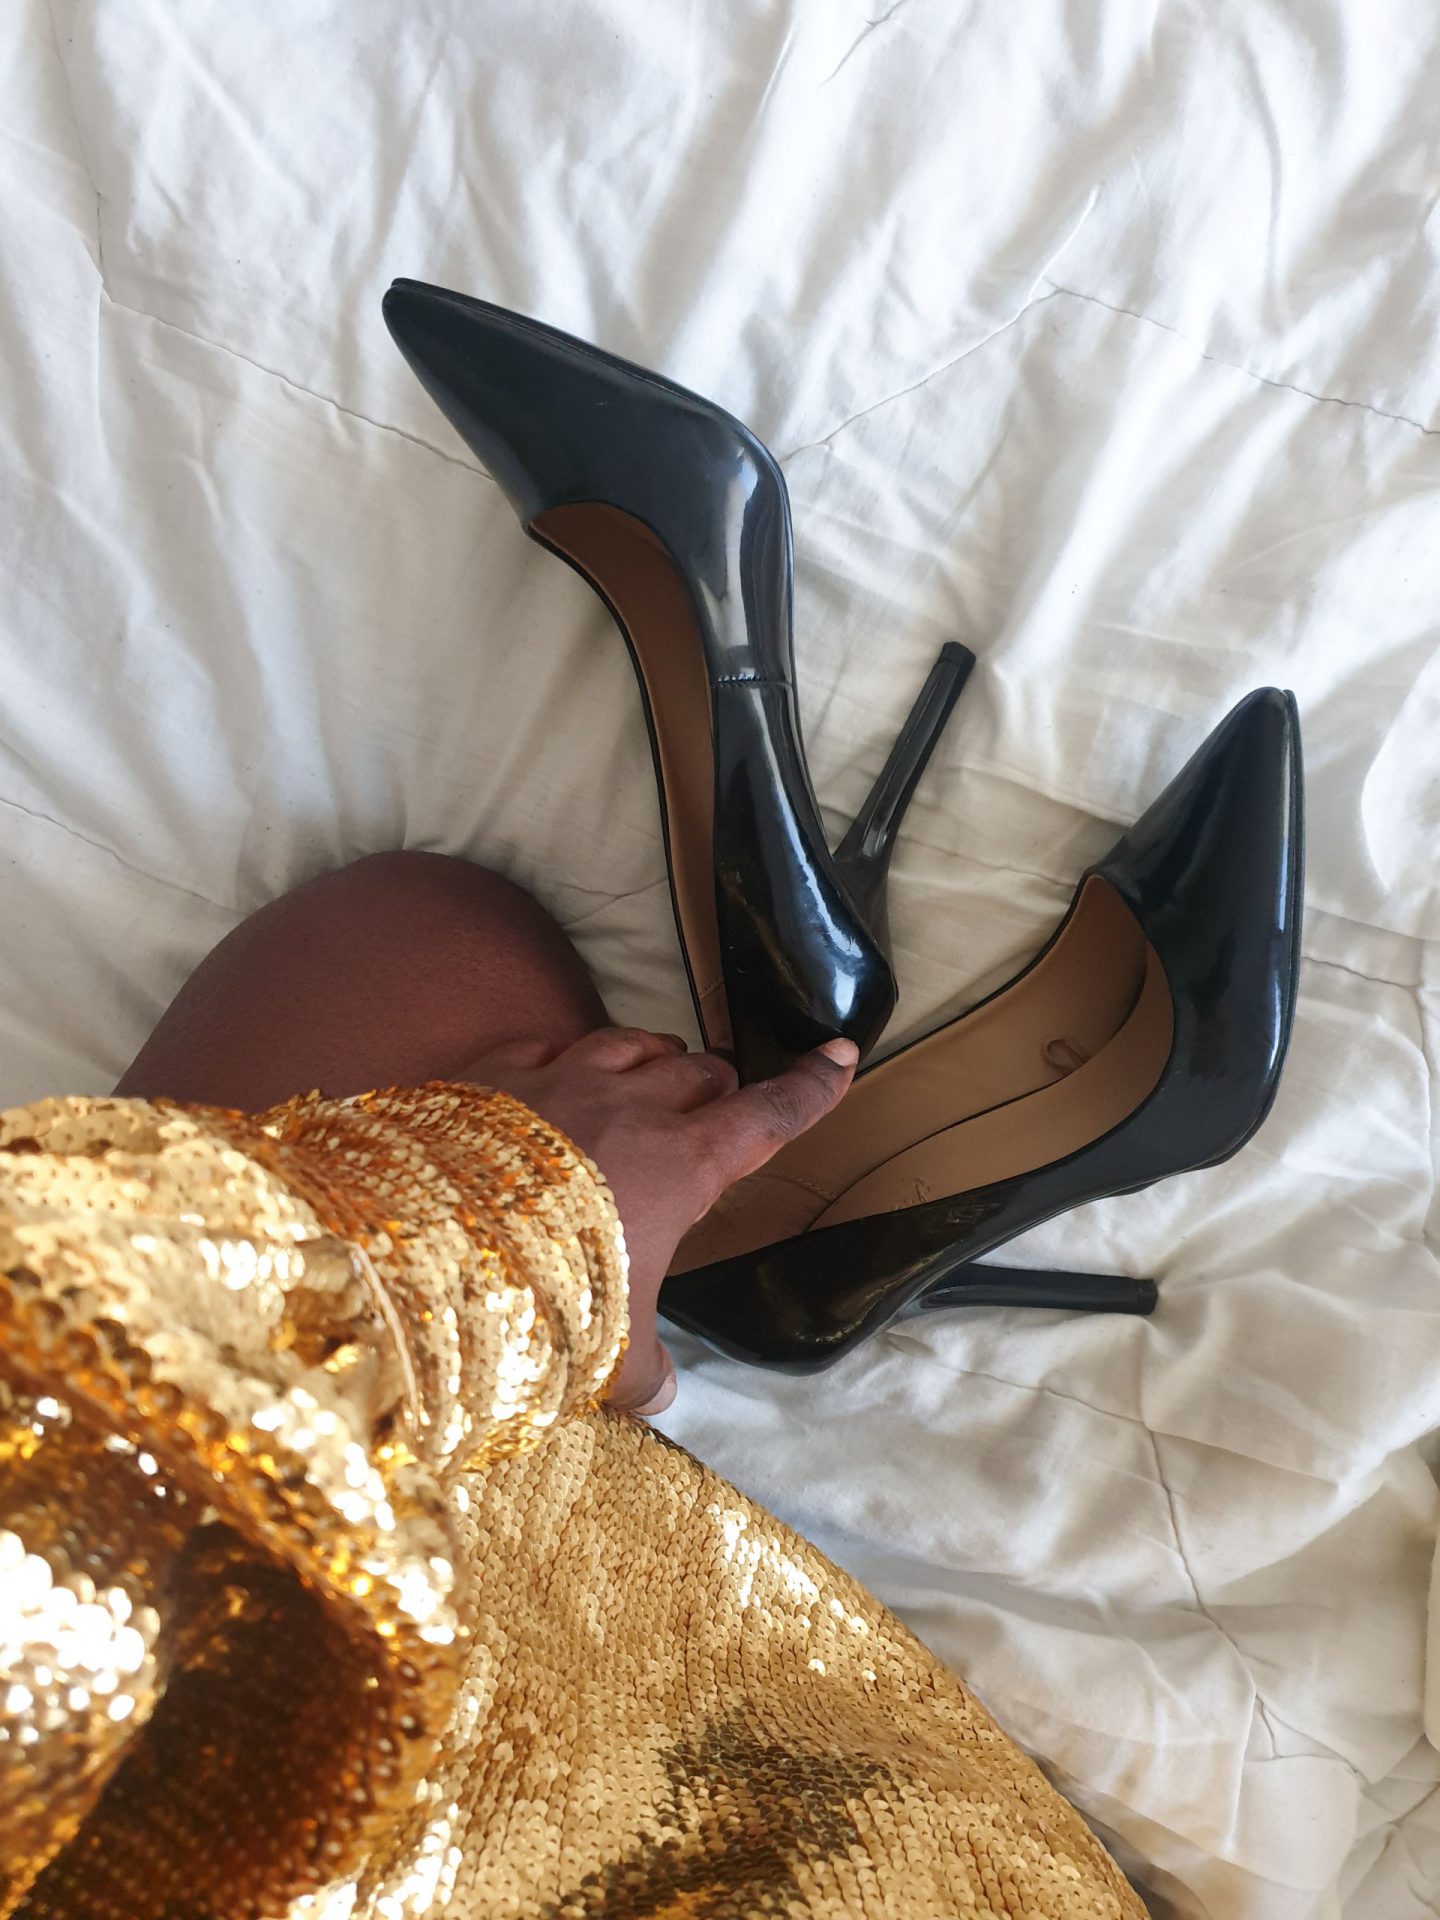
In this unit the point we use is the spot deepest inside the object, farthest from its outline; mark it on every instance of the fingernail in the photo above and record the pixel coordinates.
(664, 1394)
(843, 1052)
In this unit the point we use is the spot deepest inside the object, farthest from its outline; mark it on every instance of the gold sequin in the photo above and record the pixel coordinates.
(326, 1591)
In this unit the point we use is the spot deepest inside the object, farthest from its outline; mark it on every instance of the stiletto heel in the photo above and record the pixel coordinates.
(863, 856)
(984, 1285)
(1146, 1039)
(679, 518)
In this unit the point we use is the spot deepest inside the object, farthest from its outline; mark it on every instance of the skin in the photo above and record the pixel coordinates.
(408, 967)
(670, 1130)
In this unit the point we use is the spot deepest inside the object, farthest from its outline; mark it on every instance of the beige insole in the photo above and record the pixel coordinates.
(1037, 1072)
(644, 588)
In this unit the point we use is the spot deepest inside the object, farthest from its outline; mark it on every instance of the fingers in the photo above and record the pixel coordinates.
(747, 1127)
(620, 1049)
(683, 1082)
(664, 1393)
(645, 1392)
(515, 1054)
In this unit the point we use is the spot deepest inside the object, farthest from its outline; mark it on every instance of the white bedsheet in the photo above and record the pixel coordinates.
(1102, 334)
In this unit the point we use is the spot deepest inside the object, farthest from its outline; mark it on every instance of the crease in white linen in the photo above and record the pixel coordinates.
(1265, 379)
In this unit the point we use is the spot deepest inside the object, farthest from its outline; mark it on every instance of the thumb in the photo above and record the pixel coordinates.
(747, 1127)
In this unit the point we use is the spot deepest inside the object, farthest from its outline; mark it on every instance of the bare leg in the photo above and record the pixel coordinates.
(399, 969)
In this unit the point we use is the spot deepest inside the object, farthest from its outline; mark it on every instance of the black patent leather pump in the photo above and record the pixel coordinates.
(1145, 1040)
(679, 518)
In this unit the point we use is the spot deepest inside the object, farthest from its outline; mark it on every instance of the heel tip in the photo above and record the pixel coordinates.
(958, 658)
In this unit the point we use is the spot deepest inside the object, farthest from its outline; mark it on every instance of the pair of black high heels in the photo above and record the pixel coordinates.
(1145, 1039)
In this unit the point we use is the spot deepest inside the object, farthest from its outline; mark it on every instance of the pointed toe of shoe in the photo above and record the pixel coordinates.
(1214, 872)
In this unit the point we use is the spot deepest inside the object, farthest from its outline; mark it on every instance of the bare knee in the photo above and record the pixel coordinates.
(408, 876)
(482, 944)
(469, 929)
(429, 892)
(400, 967)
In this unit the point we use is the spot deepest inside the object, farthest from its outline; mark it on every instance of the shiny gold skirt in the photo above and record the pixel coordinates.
(326, 1587)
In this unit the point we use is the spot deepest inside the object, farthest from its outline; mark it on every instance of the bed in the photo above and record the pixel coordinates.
(1100, 334)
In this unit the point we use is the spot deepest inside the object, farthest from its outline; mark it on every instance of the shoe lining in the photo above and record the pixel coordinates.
(635, 575)
(1040, 1070)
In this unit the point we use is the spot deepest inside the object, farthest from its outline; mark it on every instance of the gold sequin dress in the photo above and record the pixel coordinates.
(326, 1589)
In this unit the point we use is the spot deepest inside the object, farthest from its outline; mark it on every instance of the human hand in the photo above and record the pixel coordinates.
(670, 1131)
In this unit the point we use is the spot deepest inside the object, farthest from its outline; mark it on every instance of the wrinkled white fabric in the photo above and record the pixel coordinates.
(1104, 336)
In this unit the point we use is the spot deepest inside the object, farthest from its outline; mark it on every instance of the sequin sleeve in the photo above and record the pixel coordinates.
(494, 1238)
(242, 1360)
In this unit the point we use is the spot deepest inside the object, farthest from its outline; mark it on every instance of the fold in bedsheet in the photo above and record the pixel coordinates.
(1105, 338)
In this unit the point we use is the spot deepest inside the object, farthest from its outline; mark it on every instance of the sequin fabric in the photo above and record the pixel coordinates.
(328, 1591)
